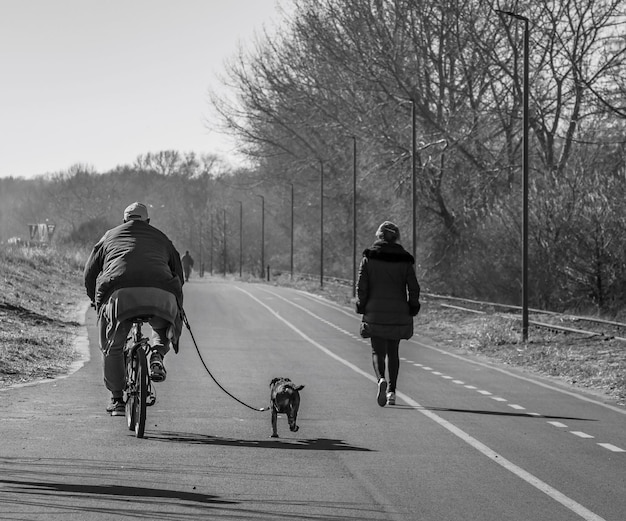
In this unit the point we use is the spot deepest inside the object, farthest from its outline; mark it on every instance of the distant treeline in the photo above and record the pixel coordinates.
(344, 88)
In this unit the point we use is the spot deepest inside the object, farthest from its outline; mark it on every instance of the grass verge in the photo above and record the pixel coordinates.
(40, 290)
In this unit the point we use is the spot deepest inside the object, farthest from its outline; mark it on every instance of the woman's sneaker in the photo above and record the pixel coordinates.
(391, 398)
(157, 369)
(116, 407)
(381, 397)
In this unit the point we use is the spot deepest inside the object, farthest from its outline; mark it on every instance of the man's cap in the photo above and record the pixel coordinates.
(136, 212)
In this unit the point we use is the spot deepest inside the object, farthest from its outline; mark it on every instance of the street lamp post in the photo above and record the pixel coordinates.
(211, 248)
(240, 239)
(262, 236)
(413, 178)
(321, 224)
(525, 125)
(292, 235)
(224, 228)
(354, 216)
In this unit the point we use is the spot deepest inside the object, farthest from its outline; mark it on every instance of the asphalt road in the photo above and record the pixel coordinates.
(466, 441)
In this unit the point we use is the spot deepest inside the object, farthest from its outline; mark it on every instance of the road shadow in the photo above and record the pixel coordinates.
(324, 444)
(117, 491)
(491, 413)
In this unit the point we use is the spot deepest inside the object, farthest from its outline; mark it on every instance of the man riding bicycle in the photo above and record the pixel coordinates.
(134, 270)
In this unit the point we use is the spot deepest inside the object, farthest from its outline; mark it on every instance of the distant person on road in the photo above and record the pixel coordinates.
(388, 298)
(187, 265)
(134, 270)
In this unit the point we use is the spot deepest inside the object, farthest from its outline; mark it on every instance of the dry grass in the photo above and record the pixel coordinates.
(593, 363)
(39, 293)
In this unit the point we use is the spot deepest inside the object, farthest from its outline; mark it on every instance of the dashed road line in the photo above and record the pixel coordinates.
(495, 457)
(610, 447)
(580, 434)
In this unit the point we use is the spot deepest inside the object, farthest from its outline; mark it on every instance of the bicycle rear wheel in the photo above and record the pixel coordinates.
(131, 388)
(137, 390)
(141, 398)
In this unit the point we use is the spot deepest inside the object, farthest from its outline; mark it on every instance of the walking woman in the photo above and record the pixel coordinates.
(388, 298)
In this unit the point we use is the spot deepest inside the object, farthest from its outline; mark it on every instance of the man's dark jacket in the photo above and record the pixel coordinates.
(133, 254)
(388, 291)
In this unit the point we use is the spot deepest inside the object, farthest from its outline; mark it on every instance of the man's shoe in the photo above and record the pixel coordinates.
(391, 398)
(157, 369)
(116, 407)
(381, 397)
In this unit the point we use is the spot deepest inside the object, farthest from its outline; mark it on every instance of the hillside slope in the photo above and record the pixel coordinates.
(40, 293)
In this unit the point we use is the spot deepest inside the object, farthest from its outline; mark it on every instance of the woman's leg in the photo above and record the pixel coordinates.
(394, 363)
(379, 352)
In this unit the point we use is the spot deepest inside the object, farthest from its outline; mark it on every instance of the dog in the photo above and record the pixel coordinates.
(284, 399)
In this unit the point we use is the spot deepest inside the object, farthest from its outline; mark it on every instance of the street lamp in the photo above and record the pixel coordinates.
(525, 125)
(413, 178)
(292, 234)
(262, 236)
(321, 224)
(224, 228)
(211, 249)
(354, 216)
(240, 238)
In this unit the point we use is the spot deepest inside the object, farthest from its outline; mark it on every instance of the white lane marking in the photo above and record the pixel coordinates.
(446, 377)
(427, 368)
(498, 399)
(581, 434)
(341, 309)
(610, 447)
(533, 414)
(558, 424)
(529, 478)
(485, 393)
(437, 373)
(517, 407)
(458, 382)
(470, 387)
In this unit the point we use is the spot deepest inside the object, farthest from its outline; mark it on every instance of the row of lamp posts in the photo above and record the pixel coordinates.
(525, 124)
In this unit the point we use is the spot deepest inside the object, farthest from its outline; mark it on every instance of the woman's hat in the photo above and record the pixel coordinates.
(388, 231)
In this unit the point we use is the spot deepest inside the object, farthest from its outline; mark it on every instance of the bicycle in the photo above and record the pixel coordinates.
(139, 391)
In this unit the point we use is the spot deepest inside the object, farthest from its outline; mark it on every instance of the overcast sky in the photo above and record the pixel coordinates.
(99, 82)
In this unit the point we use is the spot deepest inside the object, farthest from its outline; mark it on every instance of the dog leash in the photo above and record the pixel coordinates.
(259, 409)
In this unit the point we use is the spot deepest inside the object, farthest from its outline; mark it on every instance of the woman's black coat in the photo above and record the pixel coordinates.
(387, 291)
